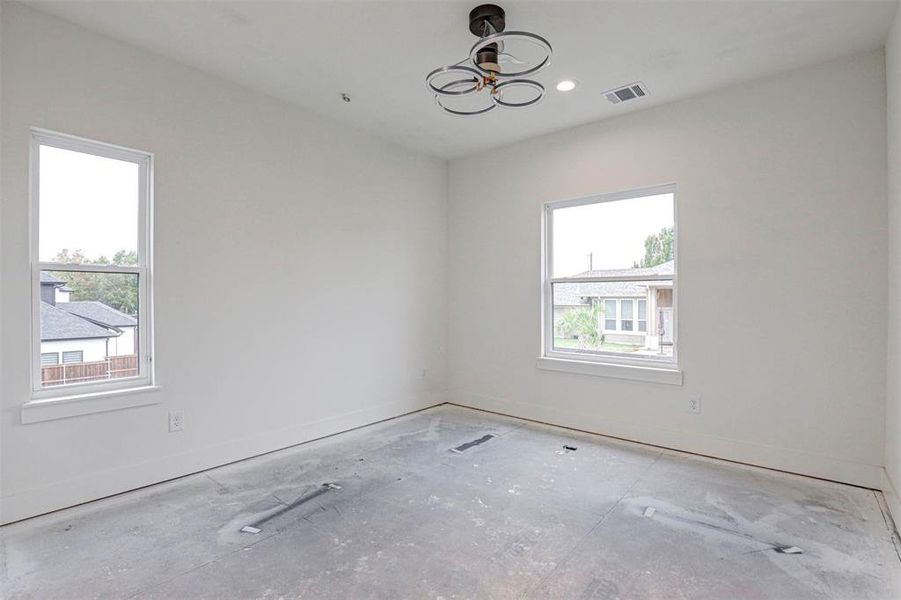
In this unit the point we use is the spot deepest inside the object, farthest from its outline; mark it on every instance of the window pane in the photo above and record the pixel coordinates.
(50, 358)
(610, 314)
(91, 320)
(592, 239)
(577, 318)
(642, 315)
(73, 356)
(585, 320)
(88, 207)
(628, 247)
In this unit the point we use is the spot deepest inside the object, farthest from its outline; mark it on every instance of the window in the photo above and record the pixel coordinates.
(73, 356)
(91, 257)
(610, 315)
(610, 275)
(626, 311)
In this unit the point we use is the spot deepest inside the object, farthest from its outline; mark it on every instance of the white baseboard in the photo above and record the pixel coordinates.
(100, 484)
(77, 490)
(782, 459)
(892, 499)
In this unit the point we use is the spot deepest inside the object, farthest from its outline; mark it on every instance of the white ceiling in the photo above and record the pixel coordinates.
(379, 52)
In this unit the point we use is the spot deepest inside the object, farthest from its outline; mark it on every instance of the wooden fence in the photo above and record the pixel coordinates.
(112, 367)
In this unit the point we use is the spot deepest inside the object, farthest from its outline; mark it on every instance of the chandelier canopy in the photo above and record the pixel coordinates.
(496, 71)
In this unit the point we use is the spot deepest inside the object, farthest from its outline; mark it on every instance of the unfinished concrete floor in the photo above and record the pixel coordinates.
(514, 516)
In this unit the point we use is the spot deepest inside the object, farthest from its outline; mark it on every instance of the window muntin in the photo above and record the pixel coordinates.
(610, 273)
(91, 256)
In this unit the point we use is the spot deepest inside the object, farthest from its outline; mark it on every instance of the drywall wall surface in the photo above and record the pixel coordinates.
(893, 391)
(299, 268)
(781, 271)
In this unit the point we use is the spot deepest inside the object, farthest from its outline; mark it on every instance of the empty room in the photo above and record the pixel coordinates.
(441, 299)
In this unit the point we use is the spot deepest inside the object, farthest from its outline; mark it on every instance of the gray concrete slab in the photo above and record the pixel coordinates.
(700, 528)
(515, 516)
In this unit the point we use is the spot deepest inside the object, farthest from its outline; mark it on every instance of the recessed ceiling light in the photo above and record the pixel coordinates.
(566, 85)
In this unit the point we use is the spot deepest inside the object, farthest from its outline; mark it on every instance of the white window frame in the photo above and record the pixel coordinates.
(144, 160)
(557, 360)
(638, 318)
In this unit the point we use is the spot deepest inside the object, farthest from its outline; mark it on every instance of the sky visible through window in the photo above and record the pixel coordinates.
(87, 203)
(614, 233)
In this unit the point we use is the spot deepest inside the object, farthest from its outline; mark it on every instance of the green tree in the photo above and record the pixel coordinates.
(658, 248)
(584, 323)
(76, 257)
(117, 290)
(125, 258)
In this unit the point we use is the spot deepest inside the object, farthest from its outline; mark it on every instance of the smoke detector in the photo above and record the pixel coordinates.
(626, 93)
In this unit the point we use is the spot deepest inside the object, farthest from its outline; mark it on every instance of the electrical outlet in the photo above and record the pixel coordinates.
(694, 405)
(176, 421)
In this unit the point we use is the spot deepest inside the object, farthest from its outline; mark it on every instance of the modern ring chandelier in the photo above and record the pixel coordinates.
(496, 71)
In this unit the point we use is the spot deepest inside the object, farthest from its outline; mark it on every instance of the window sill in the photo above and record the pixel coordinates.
(664, 375)
(63, 407)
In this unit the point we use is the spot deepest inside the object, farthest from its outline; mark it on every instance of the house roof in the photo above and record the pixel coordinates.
(58, 324)
(48, 278)
(99, 313)
(576, 294)
(667, 268)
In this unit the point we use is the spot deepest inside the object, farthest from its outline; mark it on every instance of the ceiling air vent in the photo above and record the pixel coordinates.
(627, 92)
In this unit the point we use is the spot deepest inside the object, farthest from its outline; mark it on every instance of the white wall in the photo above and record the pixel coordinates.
(782, 208)
(782, 287)
(893, 396)
(93, 349)
(332, 247)
(123, 344)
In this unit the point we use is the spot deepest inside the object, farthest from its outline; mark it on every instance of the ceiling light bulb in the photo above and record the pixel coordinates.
(566, 85)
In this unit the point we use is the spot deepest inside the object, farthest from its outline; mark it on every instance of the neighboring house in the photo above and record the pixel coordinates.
(639, 313)
(81, 332)
(53, 290)
(100, 314)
